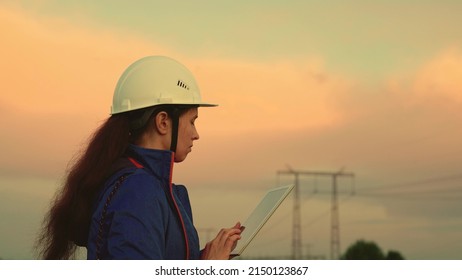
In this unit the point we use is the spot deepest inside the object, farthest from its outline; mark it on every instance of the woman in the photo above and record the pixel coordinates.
(118, 199)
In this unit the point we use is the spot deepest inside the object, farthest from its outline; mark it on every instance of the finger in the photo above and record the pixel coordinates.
(237, 225)
(221, 237)
(224, 234)
(231, 241)
(233, 235)
(218, 241)
(234, 245)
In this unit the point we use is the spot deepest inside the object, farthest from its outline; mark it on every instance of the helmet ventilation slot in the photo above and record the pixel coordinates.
(182, 85)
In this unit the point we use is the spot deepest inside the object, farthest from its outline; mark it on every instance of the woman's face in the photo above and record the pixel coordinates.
(187, 133)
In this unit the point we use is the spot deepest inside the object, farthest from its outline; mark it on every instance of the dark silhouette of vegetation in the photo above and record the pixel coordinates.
(369, 250)
(394, 255)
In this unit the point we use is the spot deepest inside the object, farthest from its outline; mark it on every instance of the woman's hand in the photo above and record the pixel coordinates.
(221, 247)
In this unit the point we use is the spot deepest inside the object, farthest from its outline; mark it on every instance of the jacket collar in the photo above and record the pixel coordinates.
(157, 162)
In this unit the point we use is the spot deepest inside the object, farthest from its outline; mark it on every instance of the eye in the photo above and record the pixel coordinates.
(193, 121)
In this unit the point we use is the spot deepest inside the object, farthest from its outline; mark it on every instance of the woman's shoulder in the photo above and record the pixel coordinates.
(143, 185)
(138, 194)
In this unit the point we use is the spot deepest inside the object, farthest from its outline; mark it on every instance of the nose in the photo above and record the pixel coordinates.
(195, 134)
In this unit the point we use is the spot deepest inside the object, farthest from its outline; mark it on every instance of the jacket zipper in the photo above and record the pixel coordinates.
(177, 208)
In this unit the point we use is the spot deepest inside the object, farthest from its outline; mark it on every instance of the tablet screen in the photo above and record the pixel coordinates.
(269, 203)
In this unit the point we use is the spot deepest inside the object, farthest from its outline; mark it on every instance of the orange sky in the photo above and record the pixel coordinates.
(57, 81)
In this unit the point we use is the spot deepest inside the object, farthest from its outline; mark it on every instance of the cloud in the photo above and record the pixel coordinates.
(52, 66)
(267, 96)
(57, 84)
(56, 74)
(441, 76)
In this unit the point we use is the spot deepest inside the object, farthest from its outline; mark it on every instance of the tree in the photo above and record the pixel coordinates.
(394, 255)
(364, 250)
(369, 250)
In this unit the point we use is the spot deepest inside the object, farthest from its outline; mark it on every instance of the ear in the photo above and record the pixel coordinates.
(162, 122)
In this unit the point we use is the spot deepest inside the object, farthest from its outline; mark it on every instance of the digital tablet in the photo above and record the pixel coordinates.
(260, 215)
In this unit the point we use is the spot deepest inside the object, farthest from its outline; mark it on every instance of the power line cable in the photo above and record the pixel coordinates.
(325, 213)
(411, 197)
(452, 177)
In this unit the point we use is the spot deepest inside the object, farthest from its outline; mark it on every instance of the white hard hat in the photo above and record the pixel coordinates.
(155, 80)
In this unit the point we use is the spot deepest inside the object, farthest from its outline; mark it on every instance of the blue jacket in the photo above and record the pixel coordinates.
(140, 214)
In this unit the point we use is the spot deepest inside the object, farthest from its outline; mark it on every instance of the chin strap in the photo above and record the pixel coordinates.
(175, 124)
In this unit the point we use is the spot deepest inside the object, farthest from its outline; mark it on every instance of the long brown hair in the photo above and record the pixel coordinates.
(67, 223)
(68, 220)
